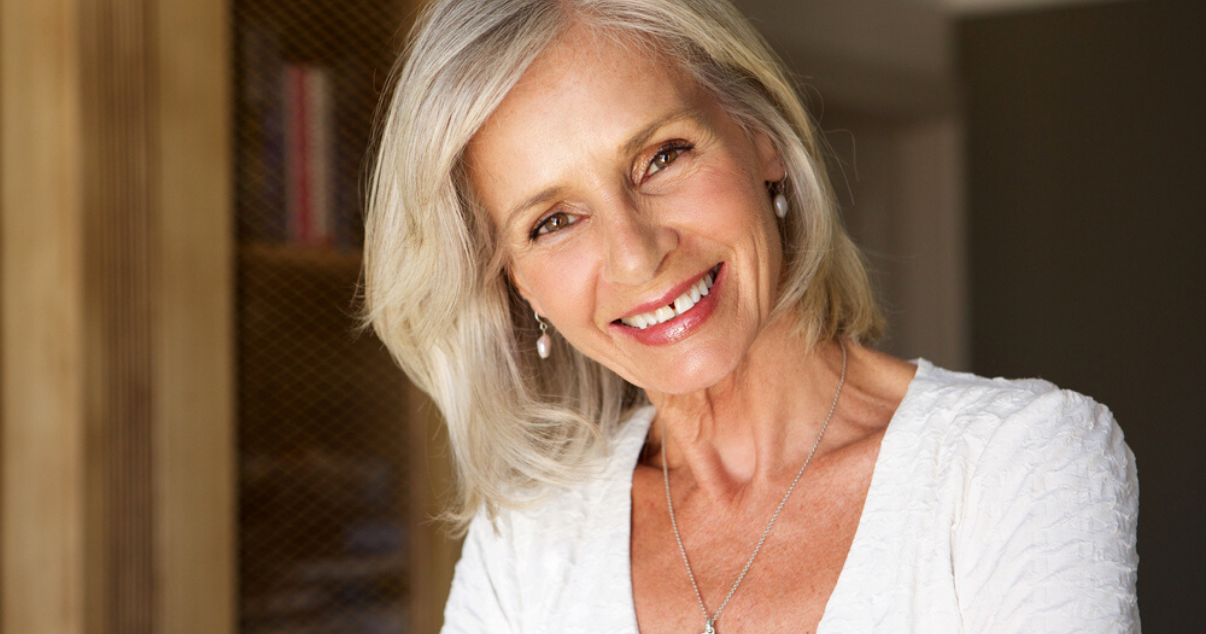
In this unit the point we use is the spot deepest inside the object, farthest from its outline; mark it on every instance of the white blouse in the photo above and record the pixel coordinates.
(995, 506)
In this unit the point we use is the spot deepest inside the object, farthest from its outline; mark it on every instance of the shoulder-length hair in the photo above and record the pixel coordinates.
(434, 286)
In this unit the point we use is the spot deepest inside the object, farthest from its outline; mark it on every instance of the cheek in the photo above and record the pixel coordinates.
(560, 285)
(729, 207)
(725, 204)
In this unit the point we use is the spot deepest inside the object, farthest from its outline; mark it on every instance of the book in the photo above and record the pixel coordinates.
(308, 154)
(260, 176)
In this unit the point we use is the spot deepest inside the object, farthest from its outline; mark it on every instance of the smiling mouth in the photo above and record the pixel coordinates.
(680, 305)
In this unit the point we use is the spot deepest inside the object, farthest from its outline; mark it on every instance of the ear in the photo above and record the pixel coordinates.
(773, 169)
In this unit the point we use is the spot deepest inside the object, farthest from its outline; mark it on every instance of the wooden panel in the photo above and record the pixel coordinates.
(120, 594)
(116, 316)
(193, 365)
(42, 285)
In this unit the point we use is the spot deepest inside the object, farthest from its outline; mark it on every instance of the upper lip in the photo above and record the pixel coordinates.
(669, 296)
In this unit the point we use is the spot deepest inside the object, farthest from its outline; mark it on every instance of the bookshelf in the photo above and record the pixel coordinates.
(335, 476)
(193, 438)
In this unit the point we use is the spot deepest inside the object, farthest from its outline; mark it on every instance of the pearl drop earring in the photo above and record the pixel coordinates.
(781, 206)
(544, 345)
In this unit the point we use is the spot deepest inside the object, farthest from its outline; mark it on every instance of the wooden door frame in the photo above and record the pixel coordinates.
(53, 565)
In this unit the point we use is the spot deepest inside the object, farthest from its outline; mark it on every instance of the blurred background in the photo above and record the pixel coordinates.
(196, 440)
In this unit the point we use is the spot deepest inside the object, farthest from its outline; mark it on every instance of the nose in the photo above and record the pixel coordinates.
(636, 243)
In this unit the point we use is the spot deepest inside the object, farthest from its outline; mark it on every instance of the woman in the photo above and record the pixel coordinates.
(601, 237)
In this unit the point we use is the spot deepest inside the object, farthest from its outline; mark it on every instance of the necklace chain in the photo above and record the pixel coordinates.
(710, 620)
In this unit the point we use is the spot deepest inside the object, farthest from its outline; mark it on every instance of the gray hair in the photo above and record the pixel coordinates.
(434, 287)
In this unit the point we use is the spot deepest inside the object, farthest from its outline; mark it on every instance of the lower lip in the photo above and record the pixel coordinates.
(681, 326)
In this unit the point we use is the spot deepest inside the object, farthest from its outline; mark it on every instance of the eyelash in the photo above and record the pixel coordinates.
(541, 227)
(673, 150)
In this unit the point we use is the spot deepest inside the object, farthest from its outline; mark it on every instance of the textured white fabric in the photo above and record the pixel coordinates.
(995, 506)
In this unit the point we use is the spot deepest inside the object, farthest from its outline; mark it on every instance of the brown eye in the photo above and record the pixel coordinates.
(551, 223)
(663, 158)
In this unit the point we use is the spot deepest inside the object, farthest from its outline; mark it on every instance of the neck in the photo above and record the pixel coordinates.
(758, 424)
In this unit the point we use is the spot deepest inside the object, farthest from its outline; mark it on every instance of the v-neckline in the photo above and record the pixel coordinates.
(638, 428)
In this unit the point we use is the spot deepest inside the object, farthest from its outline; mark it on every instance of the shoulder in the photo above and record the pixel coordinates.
(1017, 421)
(1044, 491)
(1024, 451)
(1001, 505)
(987, 446)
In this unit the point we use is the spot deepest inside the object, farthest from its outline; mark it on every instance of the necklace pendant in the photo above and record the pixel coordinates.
(709, 629)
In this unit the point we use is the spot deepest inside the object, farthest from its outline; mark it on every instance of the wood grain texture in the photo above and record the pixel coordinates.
(118, 232)
(194, 420)
(43, 317)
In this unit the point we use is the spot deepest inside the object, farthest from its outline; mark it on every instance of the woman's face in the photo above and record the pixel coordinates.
(617, 186)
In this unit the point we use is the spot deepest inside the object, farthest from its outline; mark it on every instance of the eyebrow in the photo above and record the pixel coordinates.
(633, 145)
(641, 138)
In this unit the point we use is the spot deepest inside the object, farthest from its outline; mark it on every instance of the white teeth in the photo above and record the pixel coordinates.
(682, 304)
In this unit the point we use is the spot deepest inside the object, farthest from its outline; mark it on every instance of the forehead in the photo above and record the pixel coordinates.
(600, 67)
(582, 101)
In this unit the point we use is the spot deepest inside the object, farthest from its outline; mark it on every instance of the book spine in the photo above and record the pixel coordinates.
(319, 160)
(308, 155)
(297, 194)
(260, 177)
(272, 149)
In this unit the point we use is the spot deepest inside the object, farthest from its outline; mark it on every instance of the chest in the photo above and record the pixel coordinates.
(790, 581)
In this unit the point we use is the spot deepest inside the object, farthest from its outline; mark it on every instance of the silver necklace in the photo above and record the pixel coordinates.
(710, 620)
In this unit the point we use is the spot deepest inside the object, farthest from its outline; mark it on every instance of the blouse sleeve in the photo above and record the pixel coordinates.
(483, 597)
(1046, 539)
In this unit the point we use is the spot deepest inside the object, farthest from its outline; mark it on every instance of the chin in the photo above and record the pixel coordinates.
(697, 372)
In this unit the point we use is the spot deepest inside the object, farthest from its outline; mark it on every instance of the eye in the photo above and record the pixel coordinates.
(552, 222)
(665, 156)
